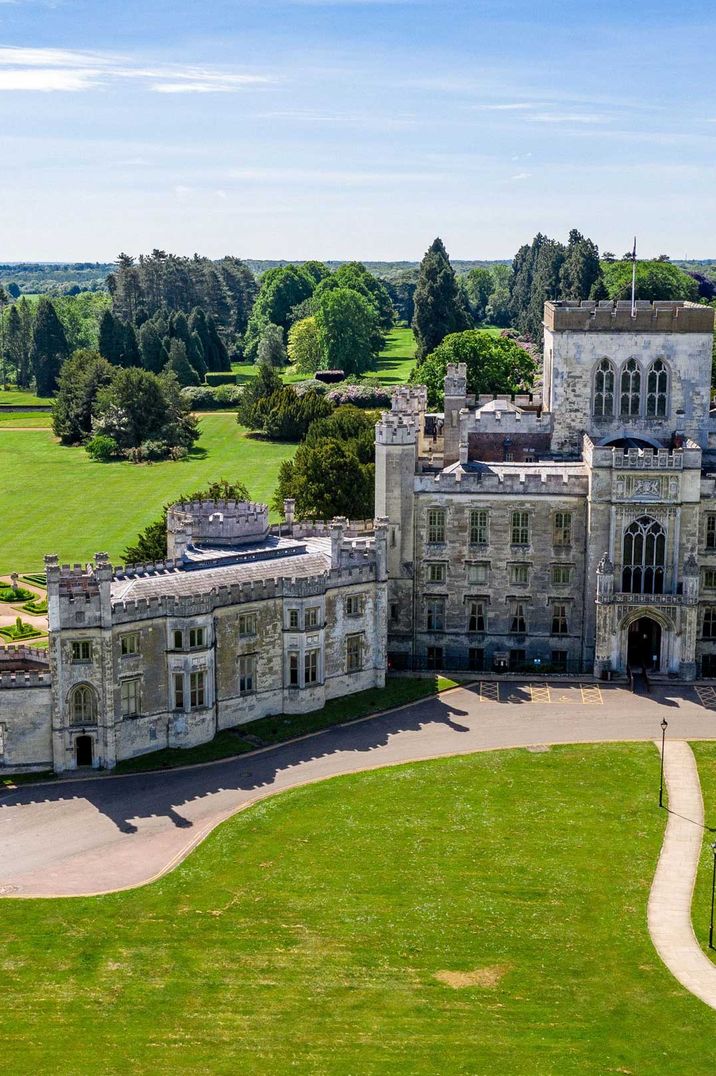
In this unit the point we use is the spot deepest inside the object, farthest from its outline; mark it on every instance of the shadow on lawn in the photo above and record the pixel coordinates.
(152, 795)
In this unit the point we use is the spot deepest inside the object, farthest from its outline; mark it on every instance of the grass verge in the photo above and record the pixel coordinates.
(273, 730)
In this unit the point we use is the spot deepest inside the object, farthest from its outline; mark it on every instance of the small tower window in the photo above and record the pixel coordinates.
(604, 390)
(82, 708)
(630, 389)
(657, 389)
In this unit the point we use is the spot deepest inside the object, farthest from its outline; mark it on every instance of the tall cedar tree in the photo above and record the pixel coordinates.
(439, 308)
(179, 364)
(580, 271)
(49, 348)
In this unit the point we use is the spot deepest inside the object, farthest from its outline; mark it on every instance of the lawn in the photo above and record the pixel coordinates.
(20, 398)
(394, 363)
(479, 915)
(282, 727)
(57, 500)
(23, 419)
(700, 908)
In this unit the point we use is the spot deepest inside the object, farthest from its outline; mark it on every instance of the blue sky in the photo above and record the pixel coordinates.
(354, 128)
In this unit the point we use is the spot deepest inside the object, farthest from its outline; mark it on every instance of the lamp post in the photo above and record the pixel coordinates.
(664, 726)
(713, 891)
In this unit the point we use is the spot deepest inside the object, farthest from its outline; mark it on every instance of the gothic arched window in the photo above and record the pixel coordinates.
(644, 555)
(82, 705)
(657, 389)
(604, 390)
(630, 389)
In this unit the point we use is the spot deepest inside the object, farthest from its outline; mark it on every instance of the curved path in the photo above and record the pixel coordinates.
(94, 835)
(669, 911)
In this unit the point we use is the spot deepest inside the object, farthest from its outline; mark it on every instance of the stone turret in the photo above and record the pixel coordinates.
(215, 523)
(455, 401)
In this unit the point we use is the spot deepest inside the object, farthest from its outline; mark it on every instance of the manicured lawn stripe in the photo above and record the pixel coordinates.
(58, 500)
(315, 931)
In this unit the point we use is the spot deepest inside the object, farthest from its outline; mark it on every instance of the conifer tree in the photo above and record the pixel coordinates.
(580, 271)
(179, 364)
(195, 355)
(439, 308)
(152, 351)
(49, 348)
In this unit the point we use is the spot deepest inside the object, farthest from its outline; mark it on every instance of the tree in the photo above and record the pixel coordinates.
(13, 290)
(151, 543)
(118, 341)
(476, 286)
(439, 309)
(327, 479)
(580, 269)
(137, 407)
(259, 388)
(654, 280)
(49, 348)
(179, 364)
(494, 364)
(271, 349)
(347, 326)
(81, 378)
(4, 300)
(280, 290)
(304, 347)
(151, 348)
(499, 311)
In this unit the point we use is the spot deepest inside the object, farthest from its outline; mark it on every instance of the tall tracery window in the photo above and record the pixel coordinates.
(604, 389)
(630, 389)
(644, 554)
(82, 707)
(657, 389)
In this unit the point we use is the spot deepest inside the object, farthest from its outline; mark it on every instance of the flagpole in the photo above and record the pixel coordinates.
(633, 280)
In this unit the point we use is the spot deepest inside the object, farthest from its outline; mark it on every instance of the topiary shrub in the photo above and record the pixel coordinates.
(15, 594)
(102, 448)
(19, 630)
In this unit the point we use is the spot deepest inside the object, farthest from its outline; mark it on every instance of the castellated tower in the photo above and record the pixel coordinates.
(396, 447)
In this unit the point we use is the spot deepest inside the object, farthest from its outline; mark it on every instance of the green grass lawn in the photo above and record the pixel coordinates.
(397, 358)
(478, 915)
(701, 905)
(21, 398)
(282, 727)
(23, 419)
(58, 500)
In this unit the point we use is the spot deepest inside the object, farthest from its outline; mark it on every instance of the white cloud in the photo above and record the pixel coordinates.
(517, 106)
(569, 117)
(32, 69)
(521, 175)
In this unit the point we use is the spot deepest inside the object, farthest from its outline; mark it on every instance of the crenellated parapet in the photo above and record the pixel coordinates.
(220, 522)
(30, 678)
(609, 316)
(565, 480)
(396, 428)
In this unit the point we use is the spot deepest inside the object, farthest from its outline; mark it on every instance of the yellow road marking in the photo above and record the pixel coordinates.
(591, 695)
(540, 693)
(489, 691)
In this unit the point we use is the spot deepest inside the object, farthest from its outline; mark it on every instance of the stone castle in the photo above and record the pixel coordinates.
(573, 532)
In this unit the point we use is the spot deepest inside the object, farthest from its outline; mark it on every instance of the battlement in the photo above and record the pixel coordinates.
(642, 459)
(27, 678)
(607, 316)
(23, 659)
(395, 428)
(221, 523)
(409, 399)
(523, 480)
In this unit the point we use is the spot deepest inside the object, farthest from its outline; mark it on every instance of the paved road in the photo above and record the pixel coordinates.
(97, 835)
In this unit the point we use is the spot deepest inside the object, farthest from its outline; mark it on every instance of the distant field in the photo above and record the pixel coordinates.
(57, 500)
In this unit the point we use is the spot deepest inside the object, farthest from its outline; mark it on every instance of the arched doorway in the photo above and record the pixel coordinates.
(644, 644)
(83, 750)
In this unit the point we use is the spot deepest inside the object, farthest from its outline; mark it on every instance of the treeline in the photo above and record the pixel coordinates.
(161, 282)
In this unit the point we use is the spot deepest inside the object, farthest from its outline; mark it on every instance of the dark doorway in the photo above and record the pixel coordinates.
(83, 750)
(644, 647)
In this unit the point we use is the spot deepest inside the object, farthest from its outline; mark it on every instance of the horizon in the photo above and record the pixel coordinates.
(352, 129)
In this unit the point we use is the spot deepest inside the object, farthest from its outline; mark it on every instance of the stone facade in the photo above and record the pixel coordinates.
(574, 533)
(498, 530)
